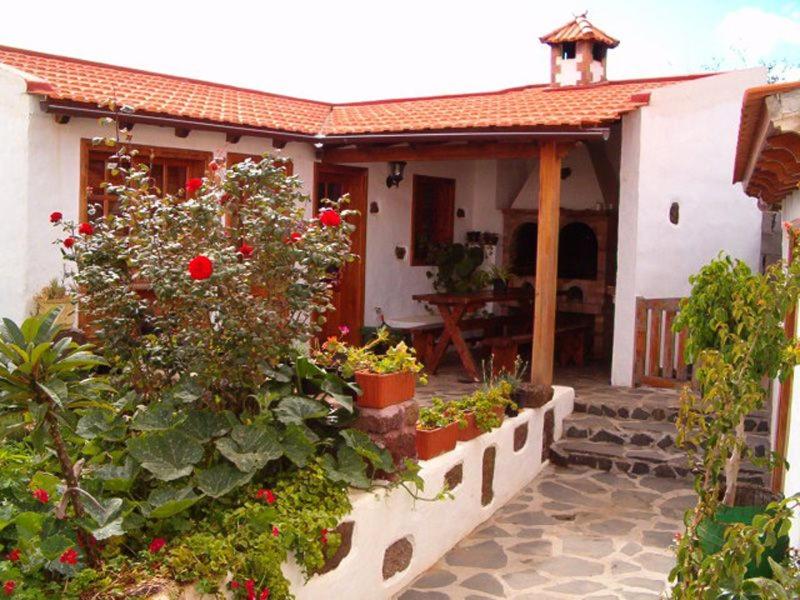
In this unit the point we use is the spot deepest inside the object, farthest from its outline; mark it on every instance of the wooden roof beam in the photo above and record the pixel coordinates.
(476, 151)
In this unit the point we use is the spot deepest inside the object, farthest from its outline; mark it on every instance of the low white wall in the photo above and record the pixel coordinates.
(685, 147)
(433, 527)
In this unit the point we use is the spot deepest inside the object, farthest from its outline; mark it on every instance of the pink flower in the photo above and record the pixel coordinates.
(69, 557)
(156, 545)
(55, 217)
(330, 218)
(275, 531)
(85, 229)
(41, 495)
(193, 184)
(250, 586)
(264, 594)
(344, 330)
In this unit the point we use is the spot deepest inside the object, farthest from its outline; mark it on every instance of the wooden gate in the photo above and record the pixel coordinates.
(659, 352)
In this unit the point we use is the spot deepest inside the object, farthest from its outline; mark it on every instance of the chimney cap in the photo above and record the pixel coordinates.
(578, 29)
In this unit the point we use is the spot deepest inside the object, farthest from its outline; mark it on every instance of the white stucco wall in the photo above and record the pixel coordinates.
(683, 153)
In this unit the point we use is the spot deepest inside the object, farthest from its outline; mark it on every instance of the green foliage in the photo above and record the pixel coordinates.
(439, 414)
(458, 268)
(488, 404)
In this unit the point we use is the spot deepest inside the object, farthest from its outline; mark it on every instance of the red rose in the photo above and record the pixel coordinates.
(266, 495)
(275, 531)
(56, 217)
(41, 495)
(213, 166)
(69, 557)
(69, 242)
(85, 229)
(9, 587)
(193, 184)
(264, 594)
(200, 267)
(156, 545)
(13, 556)
(330, 218)
(245, 250)
(292, 238)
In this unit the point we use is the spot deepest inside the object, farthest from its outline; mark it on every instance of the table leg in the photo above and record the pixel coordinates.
(451, 320)
(444, 339)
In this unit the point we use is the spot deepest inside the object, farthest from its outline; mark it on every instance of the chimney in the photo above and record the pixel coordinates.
(578, 53)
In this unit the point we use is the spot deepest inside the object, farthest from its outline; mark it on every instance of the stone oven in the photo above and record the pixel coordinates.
(586, 263)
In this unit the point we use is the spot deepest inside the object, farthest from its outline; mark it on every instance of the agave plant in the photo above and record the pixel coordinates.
(43, 381)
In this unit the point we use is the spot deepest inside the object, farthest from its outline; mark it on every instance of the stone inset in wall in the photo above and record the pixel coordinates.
(345, 530)
(392, 428)
(397, 557)
(520, 437)
(454, 476)
(548, 433)
(487, 482)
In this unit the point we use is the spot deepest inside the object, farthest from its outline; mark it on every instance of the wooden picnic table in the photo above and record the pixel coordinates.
(454, 307)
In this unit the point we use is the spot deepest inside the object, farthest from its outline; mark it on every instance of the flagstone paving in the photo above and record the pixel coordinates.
(572, 533)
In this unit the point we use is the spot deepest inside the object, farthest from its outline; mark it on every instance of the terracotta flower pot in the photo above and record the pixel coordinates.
(471, 431)
(433, 442)
(382, 390)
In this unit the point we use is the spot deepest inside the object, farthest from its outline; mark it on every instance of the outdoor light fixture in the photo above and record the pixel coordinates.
(395, 174)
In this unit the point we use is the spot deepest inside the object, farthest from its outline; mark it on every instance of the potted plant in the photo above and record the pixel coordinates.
(437, 429)
(385, 378)
(515, 378)
(458, 268)
(54, 296)
(734, 320)
(499, 277)
(484, 409)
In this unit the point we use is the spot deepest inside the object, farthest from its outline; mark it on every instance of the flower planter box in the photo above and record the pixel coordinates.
(433, 442)
(471, 431)
(382, 390)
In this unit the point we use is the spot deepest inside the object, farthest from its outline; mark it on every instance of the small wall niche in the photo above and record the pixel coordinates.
(674, 213)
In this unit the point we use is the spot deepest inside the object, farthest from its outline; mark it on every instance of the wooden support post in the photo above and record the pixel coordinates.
(544, 308)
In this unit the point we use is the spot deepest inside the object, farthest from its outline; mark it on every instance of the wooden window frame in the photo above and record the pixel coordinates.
(158, 152)
(417, 261)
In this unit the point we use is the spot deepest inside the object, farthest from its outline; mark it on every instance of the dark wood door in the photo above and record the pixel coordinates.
(333, 182)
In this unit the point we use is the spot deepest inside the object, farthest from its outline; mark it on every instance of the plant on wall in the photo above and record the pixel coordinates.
(458, 268)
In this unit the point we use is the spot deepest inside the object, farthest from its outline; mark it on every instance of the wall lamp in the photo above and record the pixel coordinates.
(396, 169)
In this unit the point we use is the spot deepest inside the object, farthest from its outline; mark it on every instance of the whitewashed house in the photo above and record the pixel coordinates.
(632, 172)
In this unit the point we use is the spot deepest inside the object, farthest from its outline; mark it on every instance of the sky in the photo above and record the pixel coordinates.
(350, 50)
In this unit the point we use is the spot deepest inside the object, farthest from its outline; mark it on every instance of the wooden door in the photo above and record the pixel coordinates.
(333, 182)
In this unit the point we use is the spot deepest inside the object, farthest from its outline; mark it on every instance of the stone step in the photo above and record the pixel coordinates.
(608, 456)
(637, 433)
(634, 406)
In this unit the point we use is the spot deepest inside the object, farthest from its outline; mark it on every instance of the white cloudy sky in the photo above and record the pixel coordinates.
(340, 50)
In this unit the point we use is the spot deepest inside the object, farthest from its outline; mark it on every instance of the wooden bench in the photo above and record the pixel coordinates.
(572, 330)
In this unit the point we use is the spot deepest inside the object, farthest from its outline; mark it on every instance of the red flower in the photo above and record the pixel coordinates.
(69, 557)
(200, 267)
(324, 536)
(250, 586)
(85, 229)
(156, 545)
(69, 242)
(292, 238)
(275, 531)
(264, 594)
(213, 166)
(266, 495)
(56, 217)
(234, 585)
(193, 184)
(9, 587)
(13, 556)
(41, 495)
(245, 250)
(330, 218)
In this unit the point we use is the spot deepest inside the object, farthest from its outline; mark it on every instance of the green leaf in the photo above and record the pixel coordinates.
(29, 524)
(348, 467)
(111, 529)
(117, 478)
(203, 425)
(11, 333)
(250, 447)
(296, 445)
(56, 390)
(359, 441)
(221, 479)
(154, 417)
(104, 511)
(296, 409)
(168, 501)
(100, 423)
(46, 481)
(168, 455)
(53, 546)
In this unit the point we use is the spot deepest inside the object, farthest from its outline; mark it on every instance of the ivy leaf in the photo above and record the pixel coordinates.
(53, 546)
(168, 501)
(296, 445)
(380, 458)
(203, 425)
(296, 409)
(220, 479)
(348, 467)
(155, 417)
(250, 447)
(168, 455)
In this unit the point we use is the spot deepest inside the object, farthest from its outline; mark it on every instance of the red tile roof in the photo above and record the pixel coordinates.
(535, 106)
(576, 30)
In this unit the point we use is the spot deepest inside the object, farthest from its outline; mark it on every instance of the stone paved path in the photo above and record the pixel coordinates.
(572, 533)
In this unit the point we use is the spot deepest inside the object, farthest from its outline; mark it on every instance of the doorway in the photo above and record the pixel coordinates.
(332, 182)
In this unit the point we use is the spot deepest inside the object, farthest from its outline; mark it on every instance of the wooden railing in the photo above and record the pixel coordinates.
(659, 352)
